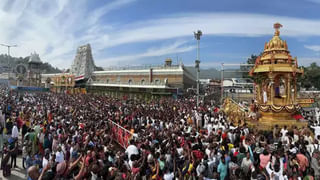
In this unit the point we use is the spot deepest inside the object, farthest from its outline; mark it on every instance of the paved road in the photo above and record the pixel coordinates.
(16, 173)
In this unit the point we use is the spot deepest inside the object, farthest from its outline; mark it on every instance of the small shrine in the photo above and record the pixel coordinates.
(275, 75)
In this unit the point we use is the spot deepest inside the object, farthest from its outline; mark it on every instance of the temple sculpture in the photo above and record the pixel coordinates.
(275, 74)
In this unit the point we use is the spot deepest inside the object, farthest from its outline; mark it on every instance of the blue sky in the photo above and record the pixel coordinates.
(138, 32)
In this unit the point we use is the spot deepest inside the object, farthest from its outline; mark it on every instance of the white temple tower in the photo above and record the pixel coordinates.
(83, 64)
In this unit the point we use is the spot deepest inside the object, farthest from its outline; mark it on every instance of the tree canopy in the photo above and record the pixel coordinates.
(311, 77)
(252, 59)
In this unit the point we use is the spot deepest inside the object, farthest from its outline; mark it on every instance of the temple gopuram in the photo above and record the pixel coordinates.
(275, 75)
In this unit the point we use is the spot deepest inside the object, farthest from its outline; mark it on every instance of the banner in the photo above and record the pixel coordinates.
(120, 134)
(305, 102)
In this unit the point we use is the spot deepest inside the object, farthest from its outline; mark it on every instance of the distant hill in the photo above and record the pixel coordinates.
(14, 61)
(204, 73)
(213, 73)
(98, 68)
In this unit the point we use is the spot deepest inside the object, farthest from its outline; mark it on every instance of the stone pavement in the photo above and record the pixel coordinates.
(16, 173)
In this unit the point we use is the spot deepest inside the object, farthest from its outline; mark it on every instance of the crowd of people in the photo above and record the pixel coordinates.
(69, 137)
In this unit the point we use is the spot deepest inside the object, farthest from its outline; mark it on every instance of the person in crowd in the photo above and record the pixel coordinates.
(222, 168)
(15, 132)
(87, 136)
(247, 165)
(13, 151)
(264, 159)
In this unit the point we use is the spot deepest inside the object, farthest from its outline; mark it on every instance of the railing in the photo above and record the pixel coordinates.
(242, 108)
(145, 83)
(140, 67)
(120, 134)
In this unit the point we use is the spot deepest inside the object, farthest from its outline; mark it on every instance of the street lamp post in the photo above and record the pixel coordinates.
(9, 94)
(197, 35)
(9, 67)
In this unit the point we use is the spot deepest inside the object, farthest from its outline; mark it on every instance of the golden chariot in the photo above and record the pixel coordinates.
(275, 75)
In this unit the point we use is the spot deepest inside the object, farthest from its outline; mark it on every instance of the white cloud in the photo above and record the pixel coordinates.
(221, 24)
(97, 14)
(218, 24)
(314, 1)
(56, 28)
(313, 47)
(176, 47)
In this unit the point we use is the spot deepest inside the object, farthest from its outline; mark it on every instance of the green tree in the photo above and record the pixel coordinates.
(252, 59)
(311, 77)
(246, 69)
(98, 68)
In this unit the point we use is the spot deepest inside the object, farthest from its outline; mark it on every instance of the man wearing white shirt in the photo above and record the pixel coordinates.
(199, 120)
(168, 176)
(276, 172)
(317, 112)
(59, 155)
(132, 149)
(209, 127)
(284, 131)
(285, 140)
(316, 131)
(311, 147)
(45, 159)
(215, 127)
(230, 136)
(15, 132)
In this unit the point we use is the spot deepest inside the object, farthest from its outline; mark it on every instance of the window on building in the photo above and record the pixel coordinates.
(118, 79)
(130, 81)
(143, 82)
(157, 81)
(107, 81)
